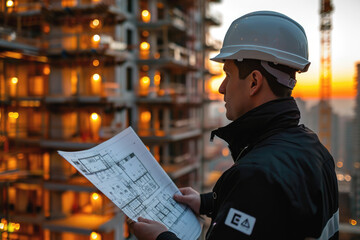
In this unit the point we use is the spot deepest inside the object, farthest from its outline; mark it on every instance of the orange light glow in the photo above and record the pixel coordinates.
(95, 196)
(145, 116)
(225, 152)
(342, 86)
(144, 46)
(95, 23)
(96, 38)
(145, 68)
(46, 70)
(339, 164)
(145, 33)
(46, 28)
(96, 77)
(353, 222)
(340, 177)
(17, 226)
(96, 63)
(145, 16)
(9, 3)
(14, 80)
(12, 55)
(157, 79)
(145, 82)
(94, 116)
(13, 115)
(95, 236)
(347, 178)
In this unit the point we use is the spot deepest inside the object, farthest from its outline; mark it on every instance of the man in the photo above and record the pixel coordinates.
(283, 183)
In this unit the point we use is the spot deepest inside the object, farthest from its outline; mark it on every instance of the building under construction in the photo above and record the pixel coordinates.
(73, 73)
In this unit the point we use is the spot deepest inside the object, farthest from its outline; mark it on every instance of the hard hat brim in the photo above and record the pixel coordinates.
(276, 56)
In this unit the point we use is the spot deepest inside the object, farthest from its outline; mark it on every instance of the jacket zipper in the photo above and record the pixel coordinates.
(239, 156)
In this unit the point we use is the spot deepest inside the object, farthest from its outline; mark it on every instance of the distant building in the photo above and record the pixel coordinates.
(355, 193)
(76, 72)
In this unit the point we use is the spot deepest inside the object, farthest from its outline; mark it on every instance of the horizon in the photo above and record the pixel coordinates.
(344, 107)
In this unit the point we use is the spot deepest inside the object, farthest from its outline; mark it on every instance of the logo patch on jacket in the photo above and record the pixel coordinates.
(240, 221)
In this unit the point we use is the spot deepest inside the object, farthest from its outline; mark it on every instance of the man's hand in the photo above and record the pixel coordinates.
(190, 197)
(146, 229)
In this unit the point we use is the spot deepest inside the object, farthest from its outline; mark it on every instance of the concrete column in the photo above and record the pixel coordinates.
(165, 156)
(152, 89)
(167, 120)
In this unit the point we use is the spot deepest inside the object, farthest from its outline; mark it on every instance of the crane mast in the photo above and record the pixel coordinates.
(325, 112)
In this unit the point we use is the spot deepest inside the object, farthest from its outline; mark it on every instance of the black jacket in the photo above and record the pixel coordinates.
(282, 185)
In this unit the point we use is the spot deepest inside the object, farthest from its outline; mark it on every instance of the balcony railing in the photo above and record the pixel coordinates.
(179, 19)
(170, 93)
(173, 51)
(168, 132)
(81, 42)
(56, 4)
(21, 6)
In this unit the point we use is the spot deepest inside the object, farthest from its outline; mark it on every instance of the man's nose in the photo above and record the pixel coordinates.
(222, 87)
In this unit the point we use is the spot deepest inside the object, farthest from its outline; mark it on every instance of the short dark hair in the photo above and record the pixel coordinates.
(246, 66)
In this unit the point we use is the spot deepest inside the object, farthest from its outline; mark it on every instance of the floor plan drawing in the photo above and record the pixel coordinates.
(126, 172)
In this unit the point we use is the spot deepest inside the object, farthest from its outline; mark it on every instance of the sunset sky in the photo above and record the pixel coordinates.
(345, 38)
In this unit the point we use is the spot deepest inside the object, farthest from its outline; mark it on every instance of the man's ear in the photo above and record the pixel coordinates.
(256, 82)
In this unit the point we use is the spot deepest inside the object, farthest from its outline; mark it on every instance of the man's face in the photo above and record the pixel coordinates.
(236, 91)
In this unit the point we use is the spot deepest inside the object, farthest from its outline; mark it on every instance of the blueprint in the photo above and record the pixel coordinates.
(125, 171)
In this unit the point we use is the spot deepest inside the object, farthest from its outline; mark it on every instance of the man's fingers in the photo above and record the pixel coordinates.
(129, 221)
(180, 198)
(144, 220)
(185, 190)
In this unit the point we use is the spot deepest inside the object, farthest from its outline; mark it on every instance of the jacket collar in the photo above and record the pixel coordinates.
(277, 114)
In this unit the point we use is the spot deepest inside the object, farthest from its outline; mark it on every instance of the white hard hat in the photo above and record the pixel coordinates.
(267, 36)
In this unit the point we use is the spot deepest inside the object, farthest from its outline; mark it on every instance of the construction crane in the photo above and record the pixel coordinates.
(325, 112)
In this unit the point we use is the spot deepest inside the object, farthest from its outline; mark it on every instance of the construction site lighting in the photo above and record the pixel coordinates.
(9, 3)
(96, 63)
(14, 115)
(347, 178)
(339, 164)
(145, 116)
(340, 177)
(225, 152)
(95, 23)
(95, 236)
(145, 68)
(145, 16)
(144, 46)
(145, 33)
(95, 77)
(46, 28)
(157, 79)
(14, 80)
(46, 70)
(95, 196)
(17, 226)
(96, 38)
(94, 116)
(145, 82)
